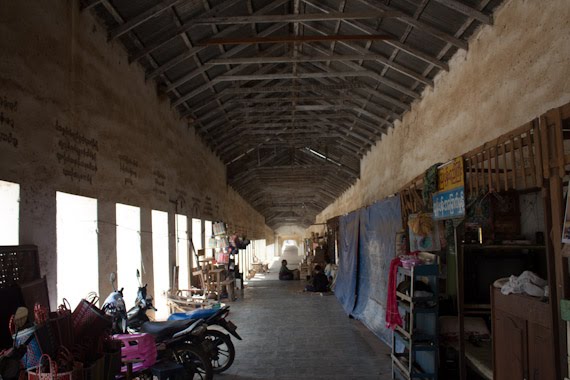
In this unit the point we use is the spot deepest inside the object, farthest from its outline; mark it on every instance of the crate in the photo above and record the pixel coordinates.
(138, 348)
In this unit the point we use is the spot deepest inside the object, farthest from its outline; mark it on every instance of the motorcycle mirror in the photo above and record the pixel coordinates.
(112, 279)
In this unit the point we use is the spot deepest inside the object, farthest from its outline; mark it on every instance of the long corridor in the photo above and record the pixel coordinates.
(288, 334)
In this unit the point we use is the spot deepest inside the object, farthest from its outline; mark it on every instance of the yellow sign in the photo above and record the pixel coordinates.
(450, 175)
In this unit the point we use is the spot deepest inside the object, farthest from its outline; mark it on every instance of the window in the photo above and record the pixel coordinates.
(182, 256)
(10, 211)
(128, 251)
(77, 247)
(207, 235)
(196, 237)
(160, 261)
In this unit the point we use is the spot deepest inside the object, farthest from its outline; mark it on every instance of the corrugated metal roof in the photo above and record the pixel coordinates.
(292, 120)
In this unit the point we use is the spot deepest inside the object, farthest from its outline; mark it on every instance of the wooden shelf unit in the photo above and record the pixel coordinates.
(419, 335)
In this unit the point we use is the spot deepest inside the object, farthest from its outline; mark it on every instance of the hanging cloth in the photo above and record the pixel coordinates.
(393, 317)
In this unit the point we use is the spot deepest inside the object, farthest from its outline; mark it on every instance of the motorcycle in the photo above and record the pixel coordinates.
(114, 307)
(221, 347)
(178, 341)
(181, 341)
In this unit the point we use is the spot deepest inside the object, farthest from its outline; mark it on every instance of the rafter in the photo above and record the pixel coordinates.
(147, 15)
(321, 58)
(467, 11)
(304, 17)
(420, 25)
(191, 75)
(396, 44)
(294, 39)
(190, 53)
(88, 4)
(181, 30)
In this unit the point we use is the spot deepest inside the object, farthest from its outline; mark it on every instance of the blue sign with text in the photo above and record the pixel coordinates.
(449, 204)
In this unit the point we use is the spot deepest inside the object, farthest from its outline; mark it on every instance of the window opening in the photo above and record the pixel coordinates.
(182, 250)
(196, 238)
(10, 211)
(160, 261)
(207, 235)
(77, 247)
(128, 251)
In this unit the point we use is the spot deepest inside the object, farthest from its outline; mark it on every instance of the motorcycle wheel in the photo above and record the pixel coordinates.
(224, 351)
(196, 363)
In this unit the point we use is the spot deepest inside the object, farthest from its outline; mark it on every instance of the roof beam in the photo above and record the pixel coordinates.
(291, 88)
(467, 11)
(180, 31)
(303, 17)
(354, 98)
(254, 77)
(85, 5)
(294, 39)
(420, 25)
(350, 144)
(329, 73)
(111, 9)
(226, 146)
(190, 53)
(321, 58)
(394, 43)
(332, 88)
(141, 18)
(289, 99)
(372, 74)
(229, 149)
(229, 53)
(210, 84)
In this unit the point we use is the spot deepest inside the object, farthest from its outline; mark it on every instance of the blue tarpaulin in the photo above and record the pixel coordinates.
(345, 288)
(379, 224)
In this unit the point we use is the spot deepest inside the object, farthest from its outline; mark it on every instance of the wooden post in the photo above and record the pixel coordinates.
(553, 170)
(459, 271)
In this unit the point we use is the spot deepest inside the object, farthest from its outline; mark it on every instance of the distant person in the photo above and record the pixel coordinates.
(287, 274)
(319, 282)
(328, 267)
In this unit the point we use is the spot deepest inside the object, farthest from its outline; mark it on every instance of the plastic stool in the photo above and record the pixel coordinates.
(168, 371)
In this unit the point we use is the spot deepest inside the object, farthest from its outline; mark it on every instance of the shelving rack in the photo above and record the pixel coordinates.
(415, 345)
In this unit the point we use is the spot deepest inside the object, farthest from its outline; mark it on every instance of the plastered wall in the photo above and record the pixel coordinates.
(76, 117)
(514, 71)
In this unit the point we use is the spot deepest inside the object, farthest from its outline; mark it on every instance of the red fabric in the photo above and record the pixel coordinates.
(393, 317)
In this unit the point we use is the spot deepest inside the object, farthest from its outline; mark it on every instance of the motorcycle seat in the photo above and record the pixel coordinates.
(164, 330)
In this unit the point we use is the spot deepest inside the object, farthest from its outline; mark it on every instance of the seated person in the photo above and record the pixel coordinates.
(319, 282)
(286, 273)
(328, 267)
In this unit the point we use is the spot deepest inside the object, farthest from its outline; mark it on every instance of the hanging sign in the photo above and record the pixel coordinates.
(449, 204)
(450, 175)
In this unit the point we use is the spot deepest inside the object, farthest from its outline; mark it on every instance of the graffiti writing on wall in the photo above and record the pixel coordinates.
(159, 183)
(76, 154)
(208, 208)
(217, 209)
(8, 110)
(196, 206)
(181, 196)
(130, 169)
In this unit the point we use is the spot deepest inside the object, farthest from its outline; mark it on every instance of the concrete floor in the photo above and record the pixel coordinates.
(288, 334)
